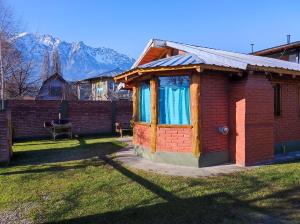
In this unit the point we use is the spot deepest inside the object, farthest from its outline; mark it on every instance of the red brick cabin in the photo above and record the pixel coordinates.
(198, 106)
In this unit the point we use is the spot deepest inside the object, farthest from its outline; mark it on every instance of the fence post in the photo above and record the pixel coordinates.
(64, 109)
(113, 116)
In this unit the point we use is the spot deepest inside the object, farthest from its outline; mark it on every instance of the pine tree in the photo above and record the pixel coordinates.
(45, 70)
(56, 64)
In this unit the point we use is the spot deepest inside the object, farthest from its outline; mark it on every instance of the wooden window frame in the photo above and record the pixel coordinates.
(158, 109)
(277, 100)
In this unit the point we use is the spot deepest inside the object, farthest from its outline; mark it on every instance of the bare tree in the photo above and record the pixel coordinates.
(20, 83)
(6, 30)
(45, 70)
(16, 70)
(56, 64)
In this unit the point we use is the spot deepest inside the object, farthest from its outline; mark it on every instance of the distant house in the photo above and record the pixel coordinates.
(287, 52)
(102, 87)
(56, 88)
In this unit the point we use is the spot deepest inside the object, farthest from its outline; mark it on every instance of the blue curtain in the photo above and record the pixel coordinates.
(174, 100)
(145, 113)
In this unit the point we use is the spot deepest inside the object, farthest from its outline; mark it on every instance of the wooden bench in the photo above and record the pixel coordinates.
(120, 127)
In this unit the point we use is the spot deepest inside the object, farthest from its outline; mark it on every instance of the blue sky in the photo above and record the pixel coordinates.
(127, 25)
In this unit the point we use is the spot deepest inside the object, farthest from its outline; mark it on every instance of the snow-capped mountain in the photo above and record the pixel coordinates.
(78, 60)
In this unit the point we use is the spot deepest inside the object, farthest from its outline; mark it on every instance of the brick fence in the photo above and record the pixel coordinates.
(5, 137)
(87, 117)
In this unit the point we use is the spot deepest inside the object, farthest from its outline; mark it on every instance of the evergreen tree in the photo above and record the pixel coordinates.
(45, 70)
(56, 64)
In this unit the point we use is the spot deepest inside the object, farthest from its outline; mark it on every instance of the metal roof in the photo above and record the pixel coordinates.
(183, 59)
(111, 73)
(208, 56)
(279, 48)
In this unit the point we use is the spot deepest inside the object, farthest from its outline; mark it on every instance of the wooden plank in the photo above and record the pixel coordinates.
(195, 113)
(154, 112)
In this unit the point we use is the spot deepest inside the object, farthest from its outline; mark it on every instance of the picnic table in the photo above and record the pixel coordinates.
(59, 127)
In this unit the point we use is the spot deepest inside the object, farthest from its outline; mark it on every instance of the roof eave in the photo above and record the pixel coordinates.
(277, 49)
(137, 72)
(152, 43)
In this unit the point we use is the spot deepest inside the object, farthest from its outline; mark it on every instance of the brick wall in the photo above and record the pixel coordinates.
(215, 114)
(87, 117)
(287, 126)
(251, 120)
(5, 137)
(142, 135)
(237, 111)
(259, 119)
(169, 139)
(174, 139)
(91, 117)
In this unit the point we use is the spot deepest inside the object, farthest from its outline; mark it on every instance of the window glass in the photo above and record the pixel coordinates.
(174, 100)
(145, 113)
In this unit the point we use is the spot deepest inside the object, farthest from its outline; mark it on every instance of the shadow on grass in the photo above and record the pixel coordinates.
(211, 208)
(53, 155)
(90, 154)
(219, 207)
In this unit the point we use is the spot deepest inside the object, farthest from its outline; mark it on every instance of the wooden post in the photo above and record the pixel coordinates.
(154, 111)
(135, 109)
(195, 113)
(135, 103)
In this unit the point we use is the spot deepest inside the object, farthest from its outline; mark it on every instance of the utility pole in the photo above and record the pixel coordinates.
(2, 74)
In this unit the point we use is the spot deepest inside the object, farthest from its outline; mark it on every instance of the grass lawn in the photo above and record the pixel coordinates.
(77, 181)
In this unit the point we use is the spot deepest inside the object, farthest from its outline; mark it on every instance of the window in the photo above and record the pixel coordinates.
(174, 100)
(55, 91)
(145, 113)
(293, 57)
(277, 99)
(111, 85)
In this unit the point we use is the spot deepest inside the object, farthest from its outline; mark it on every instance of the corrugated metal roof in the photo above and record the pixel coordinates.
(184, 59)
(202, 55)
(111, 73)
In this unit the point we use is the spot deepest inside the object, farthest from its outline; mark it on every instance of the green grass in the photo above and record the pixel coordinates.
(77, 181)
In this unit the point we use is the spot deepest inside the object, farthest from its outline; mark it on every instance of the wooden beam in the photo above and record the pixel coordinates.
(195, 113)
(135, 110)
(154, 112)
(197, 67)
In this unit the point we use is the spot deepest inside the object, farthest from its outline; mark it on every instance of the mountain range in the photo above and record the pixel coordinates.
(78, 60)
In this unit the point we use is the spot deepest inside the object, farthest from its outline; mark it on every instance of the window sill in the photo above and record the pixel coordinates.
(164, 125)
(174, 126)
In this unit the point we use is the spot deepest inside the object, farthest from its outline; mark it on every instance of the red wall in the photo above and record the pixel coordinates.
(168, 139)
(174, 139)
(251, 120)
(5, 139)
(87, 117)
(215, 114)
(142, 135)
(287, 126)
